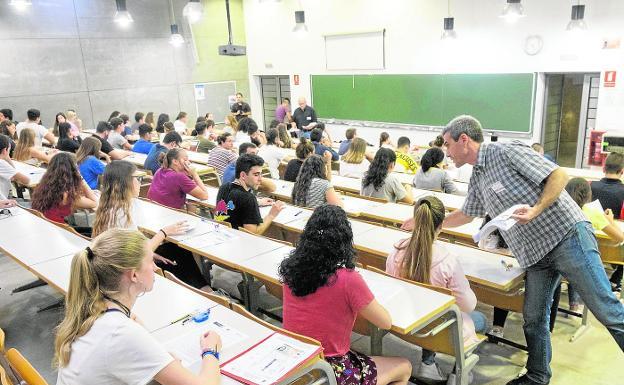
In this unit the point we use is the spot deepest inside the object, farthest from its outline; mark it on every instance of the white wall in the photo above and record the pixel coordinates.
(486, 44)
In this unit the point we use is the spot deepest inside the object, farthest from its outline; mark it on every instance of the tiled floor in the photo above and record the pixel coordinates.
(594, 359)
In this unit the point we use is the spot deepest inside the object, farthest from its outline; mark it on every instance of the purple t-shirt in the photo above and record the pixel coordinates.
(280, 113)
(170, 187)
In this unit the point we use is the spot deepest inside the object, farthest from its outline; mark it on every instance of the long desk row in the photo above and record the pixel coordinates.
(159, 309)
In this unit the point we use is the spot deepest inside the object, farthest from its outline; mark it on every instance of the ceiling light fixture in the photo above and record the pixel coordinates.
(20, 5)
(301, 29)
(449, 23)
(577, 22)
(122, 16)
(513, 11)
(193, 11)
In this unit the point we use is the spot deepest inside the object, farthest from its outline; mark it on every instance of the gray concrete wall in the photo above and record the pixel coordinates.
(61, 54)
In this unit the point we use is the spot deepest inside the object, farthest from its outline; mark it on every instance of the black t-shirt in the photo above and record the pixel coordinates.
(292, 170)
(610, 193)
(106, 147)
(245, 209)
(304, 117)
(242, 106)
(67, 144)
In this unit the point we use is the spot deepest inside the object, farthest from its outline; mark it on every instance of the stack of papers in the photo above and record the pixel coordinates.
(502, 221)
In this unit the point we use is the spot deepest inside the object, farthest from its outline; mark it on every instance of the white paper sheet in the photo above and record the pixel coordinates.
(502, 221)
(211, 238)
(271, 360)
(186, 346)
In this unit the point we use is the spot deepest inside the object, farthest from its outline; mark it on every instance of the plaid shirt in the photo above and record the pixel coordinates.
(510, 174)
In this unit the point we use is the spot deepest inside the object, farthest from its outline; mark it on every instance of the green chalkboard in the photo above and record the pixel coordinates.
(502, 102)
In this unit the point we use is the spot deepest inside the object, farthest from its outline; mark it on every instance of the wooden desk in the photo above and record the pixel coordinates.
(343, 183)
(589, 174)
(138, 160)
(451, 201)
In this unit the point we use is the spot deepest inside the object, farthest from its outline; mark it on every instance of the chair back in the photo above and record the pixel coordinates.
(23, 368)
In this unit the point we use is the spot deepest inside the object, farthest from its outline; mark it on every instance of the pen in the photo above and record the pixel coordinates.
(183, 318)
(269, 364)
(298, 212)
(506, 265)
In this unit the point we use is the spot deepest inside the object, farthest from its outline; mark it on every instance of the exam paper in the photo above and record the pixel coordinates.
(269, 361)
(502, 221)
(186, 346)
(211, 238)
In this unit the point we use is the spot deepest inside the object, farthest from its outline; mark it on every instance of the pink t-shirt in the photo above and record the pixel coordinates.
(328, 314)
(170, 187)
(445, 272)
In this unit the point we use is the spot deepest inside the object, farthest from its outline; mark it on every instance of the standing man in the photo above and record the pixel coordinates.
(304, 118)
(552, 237)
(240, 109)
(282, 112)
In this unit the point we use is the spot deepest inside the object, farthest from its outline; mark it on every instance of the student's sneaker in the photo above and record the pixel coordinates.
(431, 372)
(616, 287)
(577, 308)
(522, 380)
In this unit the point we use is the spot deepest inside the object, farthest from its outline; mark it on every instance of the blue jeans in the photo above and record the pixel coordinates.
(480, 323)
(577, 258)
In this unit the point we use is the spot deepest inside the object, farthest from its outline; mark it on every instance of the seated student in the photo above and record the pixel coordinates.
(144, 145)
(62, 190)
(26, 152)
(610, 192)
(102, 132)
(271, 152)
(175, 179)
(100, 341)
(154, 157)
(323, 295)
(303, 150)
(350, 134)
(229, 174)
(231, 125)
(222, 155)
(8, 173)
(250, 126)
(422, 258)
(180, 123)
(127, 131)
(89, 165)
(116, 137)
(437, 142)
(384, 141)
(139, 119)
(117, 208)
(322, 145)
(205, 145)
(7, 127)
(354, 163)
(321, 126)
(284, 136)
(405, 162)
(244, 211)
(431, 176)
(34, 122)
(68, 139)
(380, 182)
(313, 187)
(537, 147)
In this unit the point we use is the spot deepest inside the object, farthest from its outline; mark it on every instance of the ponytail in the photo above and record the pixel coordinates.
(95, 272)
(428, 217)
(167, 159)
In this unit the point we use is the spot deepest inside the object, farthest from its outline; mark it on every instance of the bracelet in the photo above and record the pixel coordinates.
(210, 352)
(163, 231)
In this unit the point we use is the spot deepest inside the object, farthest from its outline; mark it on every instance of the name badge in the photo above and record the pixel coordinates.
(498, 187)
(309, 118)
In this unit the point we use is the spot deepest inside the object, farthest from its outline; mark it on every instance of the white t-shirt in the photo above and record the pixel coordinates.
(354, 170)
(272, 156)
(6, 173)
(116, 350)
(241, 137)
(180, 127)
(40, 131)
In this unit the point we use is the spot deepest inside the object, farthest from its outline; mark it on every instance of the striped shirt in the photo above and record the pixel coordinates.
(219, 158)
(508, 174)
(315, 196)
